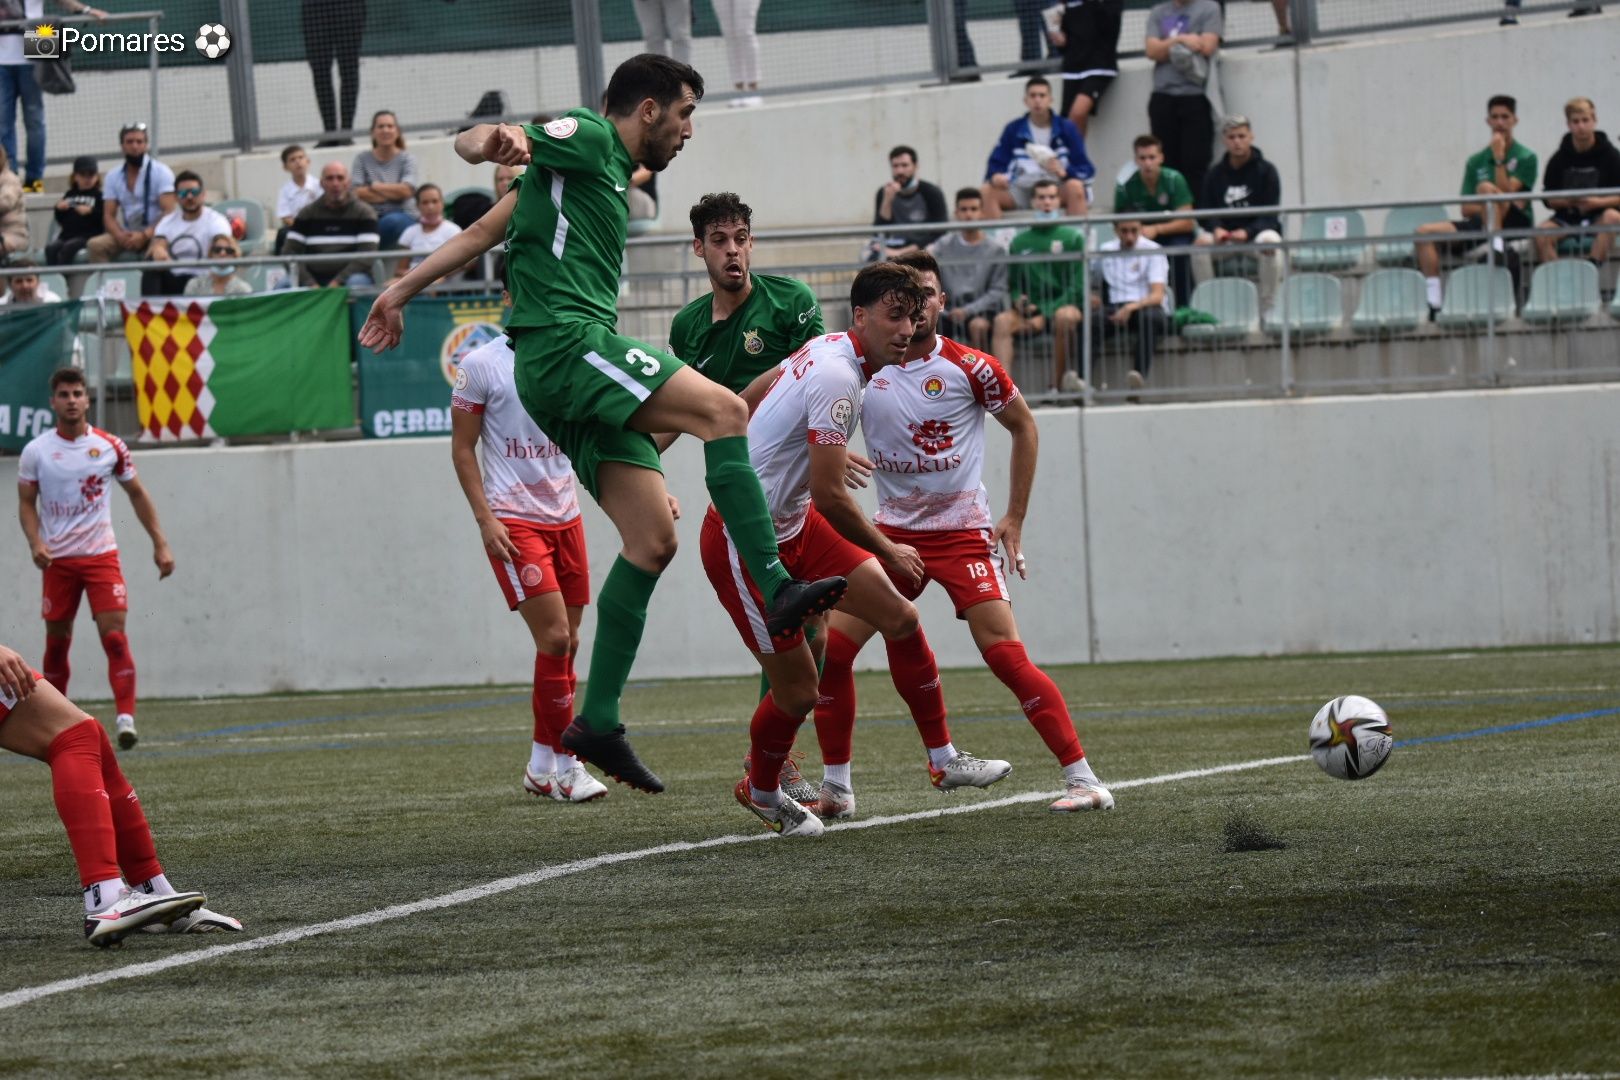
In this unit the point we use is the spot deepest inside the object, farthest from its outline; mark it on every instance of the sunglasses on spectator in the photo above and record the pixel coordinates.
(222, 250)
(184, 191)
(127, 128)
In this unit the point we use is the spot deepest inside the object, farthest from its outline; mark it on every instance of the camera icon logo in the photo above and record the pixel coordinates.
(42, 43)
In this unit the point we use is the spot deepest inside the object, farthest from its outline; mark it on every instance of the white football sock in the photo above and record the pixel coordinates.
(565, 763)
(158, 886)
(772, 797)
(943, 756)
(1433, 286)
(1080, 770)
(542, 759)
(103, 895)
(838, 774)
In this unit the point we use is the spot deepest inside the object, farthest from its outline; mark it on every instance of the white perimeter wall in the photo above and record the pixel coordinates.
(1414, 521)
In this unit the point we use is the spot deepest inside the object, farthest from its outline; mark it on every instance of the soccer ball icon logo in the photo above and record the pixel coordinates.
(213, 40)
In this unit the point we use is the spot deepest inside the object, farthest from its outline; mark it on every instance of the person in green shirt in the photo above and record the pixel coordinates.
(1156, 189)
(600, 395)
(1503, 167)
(1045, 293)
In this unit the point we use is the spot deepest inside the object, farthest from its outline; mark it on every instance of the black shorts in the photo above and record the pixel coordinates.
(1093, 86)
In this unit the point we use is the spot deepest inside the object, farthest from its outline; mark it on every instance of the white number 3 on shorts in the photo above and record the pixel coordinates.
(649, 364)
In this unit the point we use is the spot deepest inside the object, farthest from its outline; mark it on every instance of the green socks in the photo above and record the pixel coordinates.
(621, 616)
(735, 489)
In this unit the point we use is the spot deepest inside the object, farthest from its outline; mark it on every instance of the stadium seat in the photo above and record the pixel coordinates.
(1340, 224)
(56, 283)
(1614, 307)
(1392, 302)
(1563, 291)
(1404, 221)
(252, 216)
(1235, 302)
(1314, 304)
(130, 278)
(1475, 295)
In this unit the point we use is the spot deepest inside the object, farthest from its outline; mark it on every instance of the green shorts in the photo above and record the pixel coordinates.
(581, 382)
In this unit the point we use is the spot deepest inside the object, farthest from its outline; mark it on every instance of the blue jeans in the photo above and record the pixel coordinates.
(390, 225)
(17, 82)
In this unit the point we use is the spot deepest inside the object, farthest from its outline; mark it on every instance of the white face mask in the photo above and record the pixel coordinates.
(1048, 215)
(222, 271)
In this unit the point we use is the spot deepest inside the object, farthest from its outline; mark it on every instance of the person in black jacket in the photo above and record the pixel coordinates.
(1585, 159)
(78, 213)
(1242, 178)
(903, 203)
(1088, 33)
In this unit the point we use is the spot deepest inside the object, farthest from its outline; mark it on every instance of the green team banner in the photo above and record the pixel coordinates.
(406, 391)
(35, 340)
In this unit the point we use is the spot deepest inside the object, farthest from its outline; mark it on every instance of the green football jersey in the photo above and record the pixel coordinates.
(1520, 164)
(1133, 197)
(1049, 285)
(565, 242)
(779, 315)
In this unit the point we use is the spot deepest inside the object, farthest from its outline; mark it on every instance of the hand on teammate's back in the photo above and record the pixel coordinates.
(857, 470)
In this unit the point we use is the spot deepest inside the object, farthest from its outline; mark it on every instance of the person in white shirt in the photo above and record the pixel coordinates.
(135, 196)
(27, 288)
(185, 233)
(301, 189)
(428, 233)
(1134, 296)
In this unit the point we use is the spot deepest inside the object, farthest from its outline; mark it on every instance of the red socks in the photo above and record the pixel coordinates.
(82, 800)
(1040, 698)
(56, 664)
(835, 707)
(120, 672)
(553, 698)
(916, 677)
(137, 854)
(771, 737)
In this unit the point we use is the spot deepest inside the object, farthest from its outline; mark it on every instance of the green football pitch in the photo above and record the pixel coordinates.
(410, 911)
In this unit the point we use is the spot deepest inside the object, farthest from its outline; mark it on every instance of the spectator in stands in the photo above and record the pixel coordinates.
(1155, 188)
(299, 191)
(906, 200)
(221, 278)
(13, 216)
(1039, 145)
(386, 177)
(78, 213)
(339, 225)
(737, 19)
(965, 56)
(183, 234)
(1182, 37)
(27, 288)
(1584, 159)
(1243, 178)
(135, 196)
(428, 232)
(1046, 294)
(666, 29)
(1088, 32)
(1132, 296)
(332, 31)
(1510, 11)
(503, 179)
(1503, 167)
(973, 272)
(1032, 34)
(18, 85)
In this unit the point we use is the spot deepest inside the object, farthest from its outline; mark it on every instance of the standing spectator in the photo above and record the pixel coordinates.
(27, 288)
(386, 176)
(973, 271)
(1032, 34)
(1584, 159)
(221, 278)
(666, 28)
(1182, 37)
(1510, 11)
(428, 232)
(905, 200)
(1133, 295)
(78, 213)
(1039, 145)
(135, 197)
(1243, 178)
(332, 31)
(336, 224)
(737, 19)
(1503, 167)
(1155, 188)
(184, 234)
(1088, 32)
(13, 216)
(1047, 293)
(19, 86)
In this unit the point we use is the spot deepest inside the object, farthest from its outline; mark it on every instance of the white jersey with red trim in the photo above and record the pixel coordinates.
(74, 478)
(815, 400)
(924, 427)
(526, 476)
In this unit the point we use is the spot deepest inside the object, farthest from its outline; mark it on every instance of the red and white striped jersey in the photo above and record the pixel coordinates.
(74, 478)
(527, 477)
(924, 427)
(816, 399)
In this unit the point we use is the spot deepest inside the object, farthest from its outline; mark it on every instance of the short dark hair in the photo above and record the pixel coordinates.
(921, 261)
(906, 150)
(880, 280)
(23, 263)
(66, 375)
(1037, 80)
(1144, 141)
(1043, 182)
(429, 187)
(1506, 100)
(186, 174)
(289, 151)
(968, 193)
(649, 76)
(717, 208)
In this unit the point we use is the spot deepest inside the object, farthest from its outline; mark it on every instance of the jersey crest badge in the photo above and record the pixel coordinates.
(753, 344)
(95, 452)
(842, 412)
(933, 387)
(562, 127)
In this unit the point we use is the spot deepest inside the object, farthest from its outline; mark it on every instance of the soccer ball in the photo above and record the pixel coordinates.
(1350, 737)
(213, 40)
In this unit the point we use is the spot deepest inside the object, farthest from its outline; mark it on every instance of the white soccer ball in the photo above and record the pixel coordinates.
(213, 40)
(1350, 737)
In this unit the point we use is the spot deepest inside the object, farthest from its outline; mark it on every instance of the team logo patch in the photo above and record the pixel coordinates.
(932, 436)
(461, 377)
(119, 591)
(45, 607)
(476, 323)
(842, 412)
(95, 452)
(529, 575)
(753, 344)
(562, 127)
(933, 386)
(985, 586)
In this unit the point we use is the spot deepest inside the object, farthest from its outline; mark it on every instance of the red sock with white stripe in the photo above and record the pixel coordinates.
(137, 854)
(1039, 697)
(56, 668)
(82, 803)
(120, 671)
(835, 705)
(916, 677)
(770, 737)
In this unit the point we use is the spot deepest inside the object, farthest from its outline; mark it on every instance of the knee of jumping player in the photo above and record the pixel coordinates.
(652, 552)
(796, 694)
(901, 621)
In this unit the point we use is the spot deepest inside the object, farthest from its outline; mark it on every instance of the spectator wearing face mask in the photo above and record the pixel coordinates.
(221, 278)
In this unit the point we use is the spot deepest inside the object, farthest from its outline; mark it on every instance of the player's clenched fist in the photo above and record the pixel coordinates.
(508, 144)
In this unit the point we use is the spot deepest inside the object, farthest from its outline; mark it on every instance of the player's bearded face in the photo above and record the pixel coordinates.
(933, 304)
(726, 253)
(670, 127)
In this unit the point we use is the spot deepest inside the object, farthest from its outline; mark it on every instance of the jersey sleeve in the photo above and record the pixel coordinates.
(471, 391)
(570, 144)
(832, 398)
(808, 312)
(679, 331)
(28, 465)
(123, 462)
(992, 386)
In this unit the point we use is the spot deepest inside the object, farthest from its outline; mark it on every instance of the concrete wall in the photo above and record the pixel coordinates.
(1416, 521)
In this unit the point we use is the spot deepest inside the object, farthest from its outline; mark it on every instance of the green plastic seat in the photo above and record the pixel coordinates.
(57, 283)
(1235, 302)
(1392, 302)
(1476, 295)
(1347, 225)
(1404, 221)
(253, 221)
(1563, 291)
(1314, 304)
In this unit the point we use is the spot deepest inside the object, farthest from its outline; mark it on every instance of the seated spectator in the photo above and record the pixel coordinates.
(905, 200)
(1182, 39)
(1039, 145)
(1132, 296)
(1503, 167)
(973, 273)
(27, 288)
(385, 177)
(339, 225)
(1088, 34)
(183, 234)
(13, 216)
(136, 195)
(221, 278)
(299, 191)
(1584, 159)
(1155, 188)
(1046, 293)
(429, 232)
(78, 213)
(1243, 178)
(504, 175)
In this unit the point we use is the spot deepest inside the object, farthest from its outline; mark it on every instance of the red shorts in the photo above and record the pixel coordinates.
(552, 559)
(7, 702)
(69, 578)
(818, 551)
(963, 560)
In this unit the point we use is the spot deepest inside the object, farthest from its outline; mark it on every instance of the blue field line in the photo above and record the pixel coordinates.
(1503, 729)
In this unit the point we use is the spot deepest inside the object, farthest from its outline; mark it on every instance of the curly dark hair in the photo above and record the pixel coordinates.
(878, 282)
(717, 208)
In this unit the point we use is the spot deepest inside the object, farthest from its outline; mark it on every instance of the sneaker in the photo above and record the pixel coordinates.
(135, 910)
(126, 732)
(794, 785)
(34, 187)
(965, 770)
(543, 785)
(201, 921)
(790, 818)
(577, 785)
(610, 751)
(797, 599)
(1083, 795)
(834, 802)
(1072, 383)
(1134, 380)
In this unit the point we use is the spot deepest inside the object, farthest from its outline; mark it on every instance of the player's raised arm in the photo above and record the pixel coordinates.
(504, 144)
(1016, 417)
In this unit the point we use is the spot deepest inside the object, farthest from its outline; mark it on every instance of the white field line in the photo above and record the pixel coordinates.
(27, 994)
